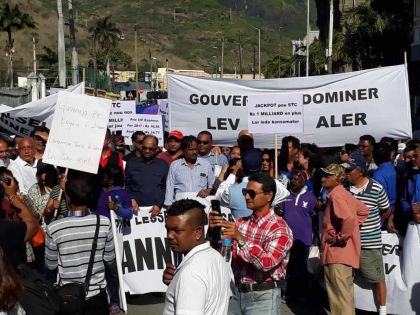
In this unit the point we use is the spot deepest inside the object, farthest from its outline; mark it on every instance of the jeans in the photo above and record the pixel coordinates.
(266, 302)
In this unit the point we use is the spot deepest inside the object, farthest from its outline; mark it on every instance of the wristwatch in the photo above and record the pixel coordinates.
(241, 243)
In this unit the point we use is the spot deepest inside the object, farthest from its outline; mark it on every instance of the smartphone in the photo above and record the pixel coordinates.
(216, 232)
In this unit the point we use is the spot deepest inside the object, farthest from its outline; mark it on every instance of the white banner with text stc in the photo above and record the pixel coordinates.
(338, 108)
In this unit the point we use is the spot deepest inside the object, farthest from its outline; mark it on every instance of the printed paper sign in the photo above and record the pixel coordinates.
(119, 111)
(149, 124)
(275, 113)
(77, 132)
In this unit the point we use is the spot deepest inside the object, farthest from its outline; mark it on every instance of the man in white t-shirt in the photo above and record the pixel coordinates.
(201, 283)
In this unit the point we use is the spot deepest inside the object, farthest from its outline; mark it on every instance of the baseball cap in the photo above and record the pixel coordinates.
(176, 134)
(333, 169)
(251, 161)
(355, 160)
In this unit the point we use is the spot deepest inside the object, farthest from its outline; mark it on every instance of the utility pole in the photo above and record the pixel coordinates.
(240, 57)
(253, 66)
(34, 49)
(307, 39)
(330, 37)
(279, 60)
(151, 69)
(137, 67)
(74, 58)
(259, 53)
(223, 52)
(61, 47)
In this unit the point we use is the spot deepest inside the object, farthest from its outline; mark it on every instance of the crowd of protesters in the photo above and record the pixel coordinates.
(337, 198)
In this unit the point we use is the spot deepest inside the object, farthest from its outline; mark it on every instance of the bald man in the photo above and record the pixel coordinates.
(203, 274)
(4, 153)
(24, 166)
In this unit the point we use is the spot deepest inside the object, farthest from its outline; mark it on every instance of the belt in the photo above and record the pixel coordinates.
(249, 287)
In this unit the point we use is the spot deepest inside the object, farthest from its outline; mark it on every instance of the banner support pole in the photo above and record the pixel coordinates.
(276, 166)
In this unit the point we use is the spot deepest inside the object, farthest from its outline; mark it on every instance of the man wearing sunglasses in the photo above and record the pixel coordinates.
(261, 244)
(189, 174)
(40, 135)
(373, 195)
(146, 176)
(205, 141)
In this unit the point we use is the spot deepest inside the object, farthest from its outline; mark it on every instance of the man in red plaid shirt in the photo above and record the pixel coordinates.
(260, 250)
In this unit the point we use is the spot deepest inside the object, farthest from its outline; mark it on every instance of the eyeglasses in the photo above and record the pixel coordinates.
(251, 193)
(203, 142)
(38, 138)
(147, 149)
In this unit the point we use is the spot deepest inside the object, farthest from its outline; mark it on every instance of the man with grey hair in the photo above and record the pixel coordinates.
(24, 166)
(4, 153)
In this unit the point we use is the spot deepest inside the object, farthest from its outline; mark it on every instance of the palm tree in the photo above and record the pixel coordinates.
(105, 34)
(12, 20)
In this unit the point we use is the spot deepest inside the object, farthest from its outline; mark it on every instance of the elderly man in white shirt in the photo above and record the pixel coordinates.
(24, 166)
(4, 153)
(201, 284)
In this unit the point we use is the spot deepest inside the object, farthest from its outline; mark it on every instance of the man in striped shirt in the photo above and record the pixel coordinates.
(373, 195)
(261, 248)
(69, 244)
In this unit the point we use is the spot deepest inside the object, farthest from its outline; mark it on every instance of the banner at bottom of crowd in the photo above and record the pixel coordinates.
(142, 248)
(401, 257)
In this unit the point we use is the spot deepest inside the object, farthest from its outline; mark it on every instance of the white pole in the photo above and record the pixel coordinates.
(61, 46)
(330, 37)
(276, 171)
(34, 48)
(307, 38)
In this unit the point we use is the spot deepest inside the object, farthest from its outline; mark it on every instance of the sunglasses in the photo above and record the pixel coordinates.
(251, 193)
(38, 138)
(203, 142)
(147, 149)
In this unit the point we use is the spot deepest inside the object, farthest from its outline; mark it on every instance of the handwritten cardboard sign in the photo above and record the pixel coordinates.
(77, 132)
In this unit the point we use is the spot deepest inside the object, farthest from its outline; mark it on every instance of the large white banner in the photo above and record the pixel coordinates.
(21, 120)
(143, 249)
(77, 132)
(402, 275)
(337, 108)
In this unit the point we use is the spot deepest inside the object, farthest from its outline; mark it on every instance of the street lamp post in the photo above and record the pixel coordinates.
(307, 39)
(259, 49)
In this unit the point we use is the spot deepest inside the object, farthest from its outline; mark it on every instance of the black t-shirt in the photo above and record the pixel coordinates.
(12, 240)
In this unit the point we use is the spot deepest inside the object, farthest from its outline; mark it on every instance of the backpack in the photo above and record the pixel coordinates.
(39, 296)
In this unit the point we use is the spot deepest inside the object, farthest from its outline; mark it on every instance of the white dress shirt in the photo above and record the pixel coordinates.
(24, 173)
(201, 285)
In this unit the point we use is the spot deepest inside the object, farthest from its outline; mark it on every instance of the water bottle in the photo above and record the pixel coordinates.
(227, 249)
(118, 201)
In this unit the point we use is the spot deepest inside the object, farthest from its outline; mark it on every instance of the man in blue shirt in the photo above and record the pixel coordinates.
(204, 141)
(385, 174)
(190, 173)
(145, 176)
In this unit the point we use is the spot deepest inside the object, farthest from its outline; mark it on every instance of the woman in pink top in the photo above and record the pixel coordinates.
(340, 240)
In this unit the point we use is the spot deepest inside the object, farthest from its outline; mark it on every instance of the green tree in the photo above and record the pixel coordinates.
(13, 20)
(105, 34)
